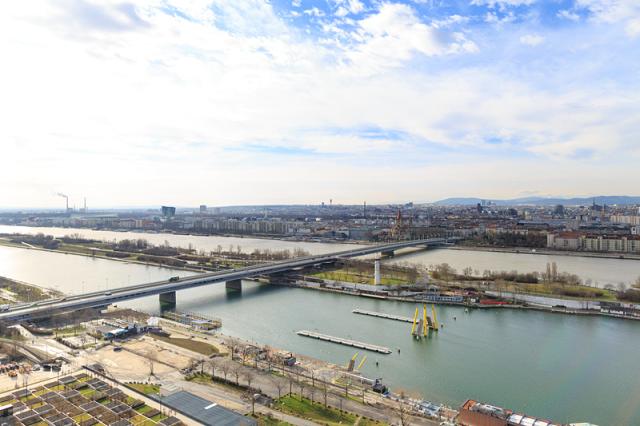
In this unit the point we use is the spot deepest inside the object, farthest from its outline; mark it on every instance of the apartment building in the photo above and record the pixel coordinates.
(597, 243)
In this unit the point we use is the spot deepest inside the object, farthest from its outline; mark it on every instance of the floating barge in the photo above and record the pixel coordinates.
(346, 342)
(382, 315)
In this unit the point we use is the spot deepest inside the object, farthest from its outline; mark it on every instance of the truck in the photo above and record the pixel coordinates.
(379, 387)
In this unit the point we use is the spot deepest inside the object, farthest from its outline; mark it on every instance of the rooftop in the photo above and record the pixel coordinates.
(205, 412)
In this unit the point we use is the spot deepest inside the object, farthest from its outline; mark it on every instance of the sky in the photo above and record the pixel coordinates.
(226, 102)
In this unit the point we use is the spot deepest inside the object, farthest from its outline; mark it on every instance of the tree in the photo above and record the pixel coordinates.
(235, 370)
(291, 380)
(213, 363)
(233, 345)
(226, 368)
(324, 391)
(248, 376)
(467, 272)
(401, 410)
(279, 384)
(444, 271)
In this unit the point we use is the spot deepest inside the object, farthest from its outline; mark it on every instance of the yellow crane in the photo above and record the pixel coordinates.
(421, 326)
(436, 325)
(364, 358)
(415, 321)
(425, 324)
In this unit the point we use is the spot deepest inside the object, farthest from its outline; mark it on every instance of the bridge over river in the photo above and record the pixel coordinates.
(167, 289)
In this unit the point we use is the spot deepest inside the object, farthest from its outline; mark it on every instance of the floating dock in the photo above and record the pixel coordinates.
(346, 342)
(382, 315)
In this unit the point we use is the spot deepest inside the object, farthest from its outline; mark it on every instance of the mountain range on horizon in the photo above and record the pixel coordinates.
(544, 201)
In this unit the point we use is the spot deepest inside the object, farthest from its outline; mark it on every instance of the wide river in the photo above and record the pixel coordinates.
(562, 367)
(598, 271)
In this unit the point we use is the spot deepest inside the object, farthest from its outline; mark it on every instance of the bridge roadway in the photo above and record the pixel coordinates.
(104, 298)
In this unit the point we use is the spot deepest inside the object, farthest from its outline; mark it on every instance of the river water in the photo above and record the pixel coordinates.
(599, 271)
(562, 367)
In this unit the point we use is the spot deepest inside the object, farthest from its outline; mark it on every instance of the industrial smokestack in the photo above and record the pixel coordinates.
(66, 197)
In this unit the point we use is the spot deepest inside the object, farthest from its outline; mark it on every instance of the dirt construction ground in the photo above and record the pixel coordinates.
(133, 361)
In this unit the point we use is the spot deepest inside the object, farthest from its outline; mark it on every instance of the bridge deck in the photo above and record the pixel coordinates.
(98, 298)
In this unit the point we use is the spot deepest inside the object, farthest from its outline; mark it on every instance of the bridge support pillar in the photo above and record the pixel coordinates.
(168, 299)
(389, 253)
(234, 284)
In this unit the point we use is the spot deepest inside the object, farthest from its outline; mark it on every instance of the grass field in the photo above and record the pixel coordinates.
(367, 422)
(264, 420)
(190, 344)
(354, 277)
(145, 388)
(571, 291)
(303, 407)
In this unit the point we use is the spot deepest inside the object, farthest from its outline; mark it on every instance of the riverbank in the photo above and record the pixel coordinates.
(7, 243)
(14, 291)
(547, 252)
(505, 304)
(274, 237)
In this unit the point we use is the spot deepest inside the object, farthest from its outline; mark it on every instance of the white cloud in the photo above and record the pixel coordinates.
(314, 11)
(296, 3)
(493, 18)
(355, 6)
(250, 17)
(341, 11)
(531, 39)
(633, 27)
(173, 103)
(345, 7)
(611, 10)
(502, 3)
(625, 12)
(451, 21)
(393, 34)
(568, 14)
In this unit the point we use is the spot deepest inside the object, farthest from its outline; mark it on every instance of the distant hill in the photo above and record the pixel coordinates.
(542, 201)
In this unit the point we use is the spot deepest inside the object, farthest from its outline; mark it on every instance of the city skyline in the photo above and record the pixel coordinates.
(253, 102)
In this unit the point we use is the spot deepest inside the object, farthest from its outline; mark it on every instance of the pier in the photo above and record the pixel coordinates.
(382, 315)
(346, 342)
